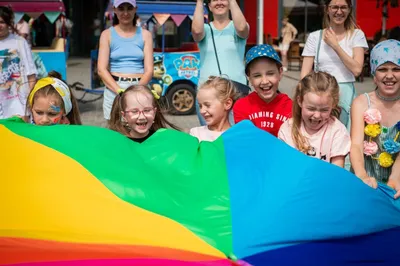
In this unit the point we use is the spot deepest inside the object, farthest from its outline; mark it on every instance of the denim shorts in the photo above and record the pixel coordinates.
(109, 97)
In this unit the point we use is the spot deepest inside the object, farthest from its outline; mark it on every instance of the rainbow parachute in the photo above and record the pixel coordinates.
(81, 195)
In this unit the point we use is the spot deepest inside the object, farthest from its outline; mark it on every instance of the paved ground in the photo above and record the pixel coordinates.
(92, 113)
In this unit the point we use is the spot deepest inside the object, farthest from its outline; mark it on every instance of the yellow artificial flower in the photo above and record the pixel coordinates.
(372, 130)
(385, 159)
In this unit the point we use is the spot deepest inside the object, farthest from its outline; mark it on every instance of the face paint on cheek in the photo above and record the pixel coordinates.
(57, 120)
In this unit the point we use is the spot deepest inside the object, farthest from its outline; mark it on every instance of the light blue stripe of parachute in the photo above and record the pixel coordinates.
(281, 197)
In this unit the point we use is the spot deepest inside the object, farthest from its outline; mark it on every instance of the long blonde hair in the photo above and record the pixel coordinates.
(316, 82)
(350, 24)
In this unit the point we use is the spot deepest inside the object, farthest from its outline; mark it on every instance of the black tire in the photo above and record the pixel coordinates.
(181, 99)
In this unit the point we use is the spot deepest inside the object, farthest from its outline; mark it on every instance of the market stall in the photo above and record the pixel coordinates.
(53, 56)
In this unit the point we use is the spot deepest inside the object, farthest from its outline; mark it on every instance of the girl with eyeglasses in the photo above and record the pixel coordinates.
(337, 49)
(137, 114)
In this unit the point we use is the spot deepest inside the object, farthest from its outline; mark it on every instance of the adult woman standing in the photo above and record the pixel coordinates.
(338, 49)
(230, 40)
(128, 50)
(17, 71)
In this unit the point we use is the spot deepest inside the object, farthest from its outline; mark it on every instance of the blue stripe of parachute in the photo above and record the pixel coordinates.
(285, 203)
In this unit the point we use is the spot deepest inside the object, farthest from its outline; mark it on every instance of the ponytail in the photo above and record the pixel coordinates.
(74, 116)
(115, 123)
(299, 140)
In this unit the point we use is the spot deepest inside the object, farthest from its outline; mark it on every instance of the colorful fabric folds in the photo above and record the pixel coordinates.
(80, 195)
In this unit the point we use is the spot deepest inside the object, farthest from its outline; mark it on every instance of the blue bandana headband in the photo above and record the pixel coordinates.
(383, 52)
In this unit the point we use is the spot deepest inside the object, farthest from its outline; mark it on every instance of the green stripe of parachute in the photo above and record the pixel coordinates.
(156, 175)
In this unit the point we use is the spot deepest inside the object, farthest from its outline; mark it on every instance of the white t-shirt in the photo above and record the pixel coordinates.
(329, 61)
(16, 64)
(204, 134)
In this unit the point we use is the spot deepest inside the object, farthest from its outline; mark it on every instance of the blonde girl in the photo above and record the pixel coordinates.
(51, 102)
(137, 114)
(337, 49)
(314, 128)
(216, 98)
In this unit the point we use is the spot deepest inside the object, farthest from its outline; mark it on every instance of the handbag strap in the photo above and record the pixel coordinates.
(215, 48)
(317, 55)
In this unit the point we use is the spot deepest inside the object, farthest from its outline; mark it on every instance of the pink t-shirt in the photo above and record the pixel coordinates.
(330, 141)
(203, 133)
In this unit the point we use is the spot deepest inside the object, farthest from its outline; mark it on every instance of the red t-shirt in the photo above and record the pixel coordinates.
(267, 116)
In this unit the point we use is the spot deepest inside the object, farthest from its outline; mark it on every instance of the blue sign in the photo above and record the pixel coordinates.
(172, 67)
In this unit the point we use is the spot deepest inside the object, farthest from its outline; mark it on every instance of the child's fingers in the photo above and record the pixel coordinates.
(370, 181)
(395, 186)
(397, 195)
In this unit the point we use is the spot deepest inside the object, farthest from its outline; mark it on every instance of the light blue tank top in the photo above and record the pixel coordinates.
(126, 54)
(230, 49)
(372, 166)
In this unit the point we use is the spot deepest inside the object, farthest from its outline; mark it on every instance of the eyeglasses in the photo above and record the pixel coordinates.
(336, 8)
(135, 113)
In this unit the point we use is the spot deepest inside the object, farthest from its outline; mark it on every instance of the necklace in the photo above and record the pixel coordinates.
(386, 99)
